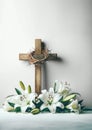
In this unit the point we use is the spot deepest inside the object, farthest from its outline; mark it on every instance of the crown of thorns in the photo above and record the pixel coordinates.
(38, 58)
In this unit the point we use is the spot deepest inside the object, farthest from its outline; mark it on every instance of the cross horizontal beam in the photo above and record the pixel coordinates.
(26, 56)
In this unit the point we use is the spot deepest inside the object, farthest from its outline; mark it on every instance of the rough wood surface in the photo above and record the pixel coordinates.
(38, 46)
(38, 67)
(23, 56)
(38, 78)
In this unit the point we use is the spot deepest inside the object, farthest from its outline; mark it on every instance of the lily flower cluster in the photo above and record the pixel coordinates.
(58, 99)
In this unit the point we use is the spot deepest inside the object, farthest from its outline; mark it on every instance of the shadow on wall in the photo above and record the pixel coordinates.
(44, 67)
(45, 77)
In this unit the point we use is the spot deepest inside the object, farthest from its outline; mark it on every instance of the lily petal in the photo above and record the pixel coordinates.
(56, 98)
(51, 91)
(52, 108)
(59, 104)
(43, 106)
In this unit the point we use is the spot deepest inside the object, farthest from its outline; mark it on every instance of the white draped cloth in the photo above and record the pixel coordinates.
(46, 121)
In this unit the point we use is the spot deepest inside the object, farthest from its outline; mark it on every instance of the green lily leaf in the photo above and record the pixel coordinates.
(11, 104)
(65, 103)
(83, 108)
(22, 85)
(66, 110)
(29, 109)
(18, 91)
(18, 109)
(80, 102)
(45, 110)
(59, 110)
(38, 103)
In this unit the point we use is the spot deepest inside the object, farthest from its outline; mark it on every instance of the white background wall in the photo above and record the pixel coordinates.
(66, 28)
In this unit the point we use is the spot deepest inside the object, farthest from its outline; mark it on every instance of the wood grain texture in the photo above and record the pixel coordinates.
(38, 50)
(23, 56)
(38, 78)
(37, 46)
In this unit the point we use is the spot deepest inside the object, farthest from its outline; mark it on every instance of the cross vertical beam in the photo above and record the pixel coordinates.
(38, 50)
(38, 78)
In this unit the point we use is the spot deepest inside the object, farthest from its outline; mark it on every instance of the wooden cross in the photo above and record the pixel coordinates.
(37, 57)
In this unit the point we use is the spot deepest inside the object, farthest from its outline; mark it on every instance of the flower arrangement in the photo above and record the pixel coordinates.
(58, 99)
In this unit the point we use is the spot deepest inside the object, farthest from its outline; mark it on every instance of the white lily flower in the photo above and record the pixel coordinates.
(19, 101)
(74, 106)
(50, 100)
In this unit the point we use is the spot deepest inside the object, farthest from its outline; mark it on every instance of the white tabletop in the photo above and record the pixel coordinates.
(47, 121)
